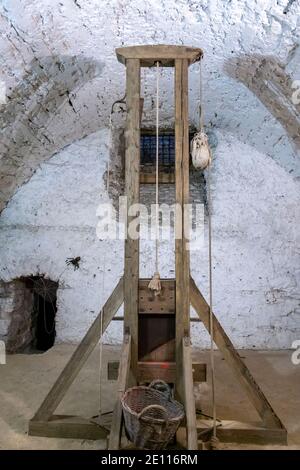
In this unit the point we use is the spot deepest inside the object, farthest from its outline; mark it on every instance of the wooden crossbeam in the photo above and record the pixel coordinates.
(150, 370)
(233, 359)
(163, 178)
(157, 304)
(80, 355)
(166, 54)
(123, 376)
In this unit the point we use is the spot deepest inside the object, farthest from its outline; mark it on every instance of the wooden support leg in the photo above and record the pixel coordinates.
(255, 394)
(189, 399)
(80, 355)
(116, 427)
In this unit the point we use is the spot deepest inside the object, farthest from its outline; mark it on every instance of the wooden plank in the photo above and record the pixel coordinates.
(163, 177)
(68, 427)
(166, 54)
(162, 303)
(148, 371)
(181, 228)
(189, 399)
(132, 179)
(80, 355)
(199, 372)
(116, 427)
(242, 433)
(113, 370)
(242, 373)
(155, 331)
(164, 352)
(192, 320)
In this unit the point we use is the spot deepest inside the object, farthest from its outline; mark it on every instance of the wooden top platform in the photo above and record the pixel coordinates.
(163, 53)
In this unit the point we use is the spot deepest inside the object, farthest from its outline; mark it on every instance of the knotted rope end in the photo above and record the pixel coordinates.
(155, 284)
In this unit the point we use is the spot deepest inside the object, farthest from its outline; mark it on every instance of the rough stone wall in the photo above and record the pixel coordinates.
(16, 303)
(7, 305)
(58, 63)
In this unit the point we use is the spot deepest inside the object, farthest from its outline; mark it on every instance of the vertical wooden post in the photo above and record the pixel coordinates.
(182, 268)
(132, 189)
(184, 373)
(190, 409)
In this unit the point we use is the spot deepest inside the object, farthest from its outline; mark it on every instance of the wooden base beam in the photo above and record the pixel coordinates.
(70, 427)
(242, 433)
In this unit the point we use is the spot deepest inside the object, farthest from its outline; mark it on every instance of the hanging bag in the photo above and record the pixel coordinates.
(200, 151)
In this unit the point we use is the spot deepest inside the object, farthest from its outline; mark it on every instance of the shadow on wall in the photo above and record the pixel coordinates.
(26, 141)
(116, 181)
(267, 79)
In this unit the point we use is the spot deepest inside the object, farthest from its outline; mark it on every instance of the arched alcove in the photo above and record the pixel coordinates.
(30, 303)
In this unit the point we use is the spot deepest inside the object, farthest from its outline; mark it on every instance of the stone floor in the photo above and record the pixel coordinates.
(26, 379)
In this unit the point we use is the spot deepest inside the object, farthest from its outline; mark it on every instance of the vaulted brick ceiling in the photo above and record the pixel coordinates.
(61, 75)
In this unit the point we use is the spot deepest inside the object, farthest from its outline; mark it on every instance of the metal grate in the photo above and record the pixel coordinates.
(166, 148)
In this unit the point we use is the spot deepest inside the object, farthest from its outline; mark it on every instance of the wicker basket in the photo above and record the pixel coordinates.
(151, 416)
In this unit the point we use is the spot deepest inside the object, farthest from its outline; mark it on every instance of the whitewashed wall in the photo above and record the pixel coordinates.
(255, 216)
(59, 66)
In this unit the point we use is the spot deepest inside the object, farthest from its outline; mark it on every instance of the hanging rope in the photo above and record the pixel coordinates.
(109, 151)
(110, 126)
(201, 156)
(211, 317)
(156, 169)
(100, 341)
(155, 284)
(100, 359)
(104, 263)
(201, 111)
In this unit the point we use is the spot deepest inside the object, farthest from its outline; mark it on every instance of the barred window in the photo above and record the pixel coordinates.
(166, 147)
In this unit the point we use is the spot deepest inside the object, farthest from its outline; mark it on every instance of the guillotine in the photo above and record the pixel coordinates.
(145, 315)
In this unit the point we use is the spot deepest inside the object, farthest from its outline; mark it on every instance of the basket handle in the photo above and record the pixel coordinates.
(155, 384)
(154, 407)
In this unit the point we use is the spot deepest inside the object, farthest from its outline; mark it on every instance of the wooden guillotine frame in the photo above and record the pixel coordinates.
(169, 313)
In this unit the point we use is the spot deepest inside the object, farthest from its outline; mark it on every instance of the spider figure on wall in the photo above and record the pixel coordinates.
(74, 262)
